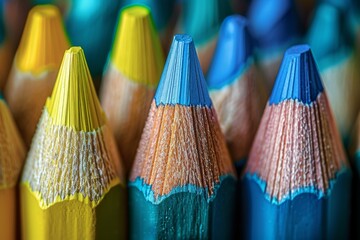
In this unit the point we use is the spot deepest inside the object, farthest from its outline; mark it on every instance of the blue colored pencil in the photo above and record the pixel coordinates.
(274, 26)
(297, 181)
(182, 184)
(236, 87)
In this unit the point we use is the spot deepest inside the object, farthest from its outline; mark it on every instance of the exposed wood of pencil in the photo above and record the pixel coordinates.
(342, 83)
(126, 104)
(181, 146)
(12, 155)
(206, 52)
(239, 108)
(296, 147)
(35, 67)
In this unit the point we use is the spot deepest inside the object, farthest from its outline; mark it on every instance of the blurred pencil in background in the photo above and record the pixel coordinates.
(182, 184)
(5, 50)
(274, 26)
(35, 67)
(72, 185)
(91, 24)
(12, 155)
(201, 19)
(297, 179)
(130, 80)
(165, 15)
(355, 157)
(236, 88)
(338, 64)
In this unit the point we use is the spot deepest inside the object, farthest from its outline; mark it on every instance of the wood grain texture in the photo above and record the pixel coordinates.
(181, 146)
(239, 108)
(297, 147)
(126, 104)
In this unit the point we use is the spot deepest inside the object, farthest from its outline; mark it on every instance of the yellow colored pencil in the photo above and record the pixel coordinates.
(12, 154)
(72, 185)
(129, 84)
(35, 67)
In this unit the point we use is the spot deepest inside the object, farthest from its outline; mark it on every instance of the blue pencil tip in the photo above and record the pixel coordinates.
(273, 23)
(182, 81)
(233, 49)
(298, 77)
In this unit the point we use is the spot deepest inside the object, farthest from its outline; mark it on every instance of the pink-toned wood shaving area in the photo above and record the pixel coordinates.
(297, 146)
(181, 146)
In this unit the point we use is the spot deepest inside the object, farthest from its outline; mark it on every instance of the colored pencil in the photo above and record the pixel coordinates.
(274, 26)
(182, 184)
(164, 13)
(297, 180)
(35, 67)
(12, 155)
(72, 185)
(236, 88)
(201, 19)
(355, 157)
(5, 51)
(90, 24)
(338, 64)
(133, 72)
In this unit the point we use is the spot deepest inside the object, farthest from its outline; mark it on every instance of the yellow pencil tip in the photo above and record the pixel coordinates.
(74, 102)
(137, 51)
(43, 41)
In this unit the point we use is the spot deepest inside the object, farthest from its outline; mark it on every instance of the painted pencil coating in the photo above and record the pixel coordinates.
(72, 176)
(338, 65)
(12, 155)
(182, 184)
(201, 19)
(236, 87)
(35, 67)
(136, 62)
(274, 26)
(297, 181)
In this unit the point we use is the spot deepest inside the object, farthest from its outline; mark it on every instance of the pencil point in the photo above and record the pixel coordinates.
(74, 102)
(233, 49)
(182, 81)
(298, 77)
(43, 40)
(137, 51)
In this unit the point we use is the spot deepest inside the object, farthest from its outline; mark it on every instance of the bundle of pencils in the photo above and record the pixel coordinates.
(72, 185)
(297, 180)
(35, 67)
(274, 26)
(129, 84)
(201, 19)
(182, 184)
(338, 64)
(12, 155)
(236, 87)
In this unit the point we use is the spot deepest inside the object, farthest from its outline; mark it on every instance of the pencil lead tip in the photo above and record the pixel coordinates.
(298, 77)
(43, 41)
(233, 49)
(137, 51)
(74, 102)
(182, 81)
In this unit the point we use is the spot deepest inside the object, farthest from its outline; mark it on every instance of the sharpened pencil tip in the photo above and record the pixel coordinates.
(298, 77)
(182, 81)
(233, 49)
